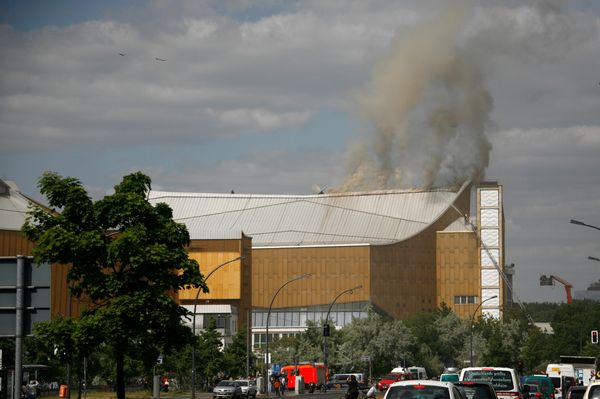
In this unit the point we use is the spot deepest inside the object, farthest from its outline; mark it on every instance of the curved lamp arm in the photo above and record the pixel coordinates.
(269, 315)
(194, 322)
(472, 320)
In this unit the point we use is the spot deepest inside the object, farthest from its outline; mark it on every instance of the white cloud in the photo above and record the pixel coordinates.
(258, 119)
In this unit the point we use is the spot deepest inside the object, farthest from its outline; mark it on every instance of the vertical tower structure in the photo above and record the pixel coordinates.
(490, 225)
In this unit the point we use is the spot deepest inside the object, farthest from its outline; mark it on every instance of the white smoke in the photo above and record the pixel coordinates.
(429, 110)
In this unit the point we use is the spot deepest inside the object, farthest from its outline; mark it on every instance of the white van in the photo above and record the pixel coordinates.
(417, 373)
(563, 377)
(504, 380)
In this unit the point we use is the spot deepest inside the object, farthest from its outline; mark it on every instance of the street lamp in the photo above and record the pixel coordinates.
(325, 348)
(472, 319)
(194, 323)
(268, 316)
(577, 222)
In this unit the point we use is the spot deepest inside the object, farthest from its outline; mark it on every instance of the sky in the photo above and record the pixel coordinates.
(295, 96)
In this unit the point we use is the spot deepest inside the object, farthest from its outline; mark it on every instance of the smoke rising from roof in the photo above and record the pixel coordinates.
(429, 110)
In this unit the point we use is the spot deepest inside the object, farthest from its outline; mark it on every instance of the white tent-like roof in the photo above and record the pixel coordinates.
(363, 218)
(13, 206)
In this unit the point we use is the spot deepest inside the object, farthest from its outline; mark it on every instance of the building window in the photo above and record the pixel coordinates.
(465, 299)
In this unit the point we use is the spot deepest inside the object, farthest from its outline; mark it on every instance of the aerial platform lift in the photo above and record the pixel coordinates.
(550, 280)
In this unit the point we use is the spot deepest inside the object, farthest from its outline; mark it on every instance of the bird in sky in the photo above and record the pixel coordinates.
(159, 59)
(122, 54)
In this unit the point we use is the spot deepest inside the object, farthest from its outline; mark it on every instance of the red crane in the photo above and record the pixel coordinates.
(549, 280)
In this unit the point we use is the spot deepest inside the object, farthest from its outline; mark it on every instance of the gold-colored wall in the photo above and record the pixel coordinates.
(458, 271)
(399, 278)
(334, 269)
(404, 274)
(12, 243)
(230, 284)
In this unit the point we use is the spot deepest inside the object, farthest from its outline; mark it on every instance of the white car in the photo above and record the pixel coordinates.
(504, 380)
(592, 391)
(422, 389)
(248, 388)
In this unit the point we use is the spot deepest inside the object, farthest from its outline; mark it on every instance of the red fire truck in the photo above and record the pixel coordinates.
(314, 375)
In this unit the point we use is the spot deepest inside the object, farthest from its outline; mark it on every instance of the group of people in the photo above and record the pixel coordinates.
(353, 389)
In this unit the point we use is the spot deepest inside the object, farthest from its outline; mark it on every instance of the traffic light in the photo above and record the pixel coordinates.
(594, 336)
(326, 330)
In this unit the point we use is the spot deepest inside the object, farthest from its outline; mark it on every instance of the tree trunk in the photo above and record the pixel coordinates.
(120, 358)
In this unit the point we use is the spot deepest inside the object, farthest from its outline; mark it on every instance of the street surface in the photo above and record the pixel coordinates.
(331, 394)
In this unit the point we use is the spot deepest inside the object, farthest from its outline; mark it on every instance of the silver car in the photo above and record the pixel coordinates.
(227, 389)
(248, 388)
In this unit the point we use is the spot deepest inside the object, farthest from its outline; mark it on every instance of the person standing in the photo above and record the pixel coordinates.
(352, 392)
(283, 385)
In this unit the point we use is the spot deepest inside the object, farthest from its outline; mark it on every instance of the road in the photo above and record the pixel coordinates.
(331, 394)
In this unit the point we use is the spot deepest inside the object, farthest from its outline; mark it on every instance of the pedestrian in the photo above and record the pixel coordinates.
(352, 392)
(283, 385)
(276, 385)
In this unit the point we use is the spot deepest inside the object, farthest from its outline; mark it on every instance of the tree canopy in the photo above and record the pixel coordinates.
(125, 257)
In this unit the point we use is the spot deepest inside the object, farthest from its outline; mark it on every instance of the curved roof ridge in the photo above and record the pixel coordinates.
(157, 194)
(375, 217)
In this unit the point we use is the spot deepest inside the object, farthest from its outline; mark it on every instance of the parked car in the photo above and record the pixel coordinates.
(227, 389)
(576, 392)
(505, 381)
(545, 386)
(476, 389)
(592, 391)
(422, 389)
(248, 388)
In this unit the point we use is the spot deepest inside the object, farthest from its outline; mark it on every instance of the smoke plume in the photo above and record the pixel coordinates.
(429, 111)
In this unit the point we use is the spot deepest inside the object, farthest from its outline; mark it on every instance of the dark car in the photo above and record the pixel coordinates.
(531, 391)
(545, 386)
(476, 389)
(576, 392)
(340, 381)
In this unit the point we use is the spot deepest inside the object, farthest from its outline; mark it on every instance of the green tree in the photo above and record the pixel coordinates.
(285, 351)
(503, 341)
(440, 339)
(208, 352)
(125, 257)
(235, 354)
(386, 342)
(572, 324)
(310, 343)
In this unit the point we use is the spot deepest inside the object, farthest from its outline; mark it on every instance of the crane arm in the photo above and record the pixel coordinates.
(550, 281)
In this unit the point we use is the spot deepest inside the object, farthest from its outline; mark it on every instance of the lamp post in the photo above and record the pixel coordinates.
(194, 323)
(472, 319)
(268, 316)
(577, 222)
(325, 348)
